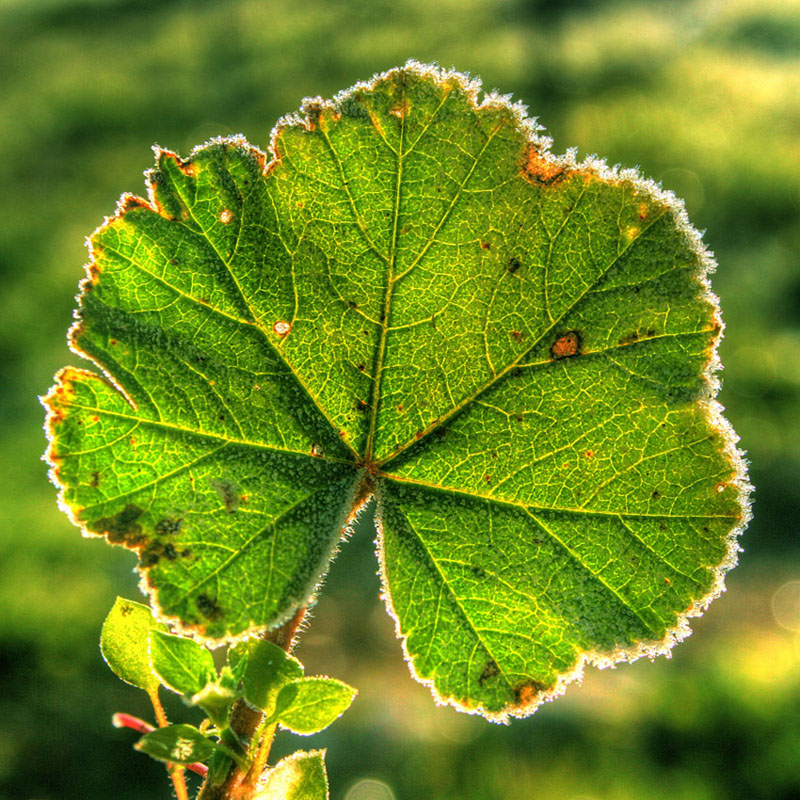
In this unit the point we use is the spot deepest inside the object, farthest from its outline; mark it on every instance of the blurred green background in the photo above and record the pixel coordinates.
(704, 95)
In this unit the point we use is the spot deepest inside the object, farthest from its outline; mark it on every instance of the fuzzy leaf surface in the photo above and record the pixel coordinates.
(300, 776)
(267, 670)
(409, 297)
(124, 643)
(309, 705)
(177, 744)
(183, 665)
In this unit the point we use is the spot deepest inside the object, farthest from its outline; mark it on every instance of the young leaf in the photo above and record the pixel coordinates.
(300, 776)
(182, 664)
(216, 700)
(267, 670)
(178, 744)
(124, 642)
(309, 705)
(411, 298)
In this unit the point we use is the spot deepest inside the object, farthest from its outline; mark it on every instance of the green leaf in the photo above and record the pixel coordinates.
(182, 664)
(309, 705)
(177, 744)
(124, 643)
(410, 298)
(216, 699)
(268, 668)
(300, 776)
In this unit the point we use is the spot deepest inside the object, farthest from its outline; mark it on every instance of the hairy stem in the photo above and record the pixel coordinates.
(246, 723)
(175, 772)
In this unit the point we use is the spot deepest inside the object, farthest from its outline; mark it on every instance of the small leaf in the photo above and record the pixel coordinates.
(215, 699)
(300, 776)
(182, 664)
(178, 744)
(268, 669)
(309, 705)
(124, 643)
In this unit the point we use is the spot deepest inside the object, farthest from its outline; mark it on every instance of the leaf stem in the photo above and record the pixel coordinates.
(247, 725)
(175, 772)
(122, 720)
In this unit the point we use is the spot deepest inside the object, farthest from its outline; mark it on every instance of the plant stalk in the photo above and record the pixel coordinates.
(246, 723)
(175, 772)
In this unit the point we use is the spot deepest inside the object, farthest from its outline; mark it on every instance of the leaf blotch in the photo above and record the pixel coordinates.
(228, 493)
(122, 528)
(538, 169)
(490, 670)
(168, 526)
(208, 606)
(566, 345)
(528, 693)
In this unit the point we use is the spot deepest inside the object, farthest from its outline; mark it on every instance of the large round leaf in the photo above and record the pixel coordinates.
(409, 297)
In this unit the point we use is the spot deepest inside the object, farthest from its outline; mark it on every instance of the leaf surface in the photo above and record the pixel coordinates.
(267, 670)
(410, 298)
(183, 665)
(124, 643)
(309, 705)
(177, 744)
(300, 776)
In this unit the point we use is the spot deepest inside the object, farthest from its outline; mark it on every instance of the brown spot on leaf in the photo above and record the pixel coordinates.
(226, 216)
(590, 454)
(168, 526)
(486, 245)
(130, 202)
(527, 694)
(477, 571)
(567, 345)
(94, 483)
(629, 338)
(489, 671)
(122, 528)
(208, 606)
(401, 109)
(537, 168)
(376, 123)
(517, 336)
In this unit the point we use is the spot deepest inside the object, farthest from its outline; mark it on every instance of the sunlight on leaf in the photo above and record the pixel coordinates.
(409, 297)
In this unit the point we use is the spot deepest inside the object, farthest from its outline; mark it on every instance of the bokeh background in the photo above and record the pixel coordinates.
(704, 95)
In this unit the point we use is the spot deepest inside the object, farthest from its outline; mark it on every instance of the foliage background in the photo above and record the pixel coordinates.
(703, 94)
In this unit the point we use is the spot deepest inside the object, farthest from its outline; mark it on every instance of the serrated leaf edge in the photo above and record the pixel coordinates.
(359, 499)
